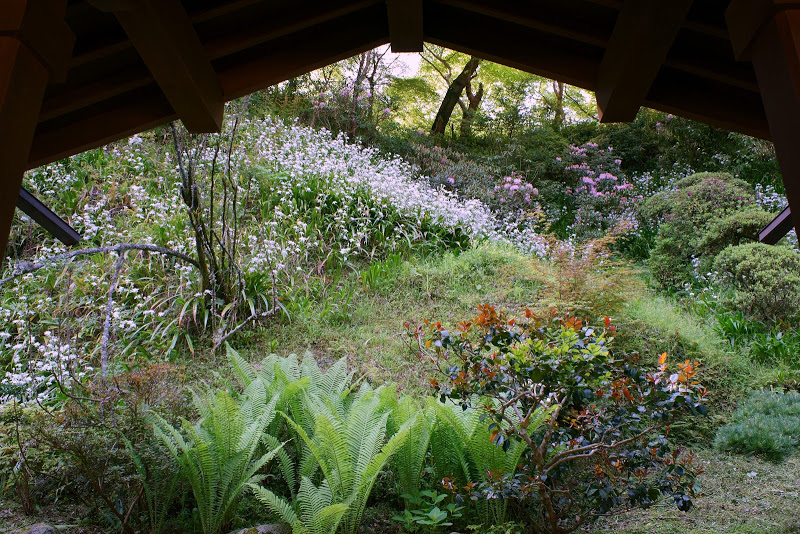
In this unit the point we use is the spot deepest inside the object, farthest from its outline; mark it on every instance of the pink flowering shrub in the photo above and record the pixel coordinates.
(600, 194)
(513, 192)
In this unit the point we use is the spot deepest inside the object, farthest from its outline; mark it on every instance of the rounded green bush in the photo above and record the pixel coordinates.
(766, 423)
(765, 279)
(737, 228)
(686, 214)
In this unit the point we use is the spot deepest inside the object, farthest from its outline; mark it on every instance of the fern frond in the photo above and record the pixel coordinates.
(241, 367)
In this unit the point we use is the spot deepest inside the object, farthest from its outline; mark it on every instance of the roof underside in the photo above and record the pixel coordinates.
(110, 93)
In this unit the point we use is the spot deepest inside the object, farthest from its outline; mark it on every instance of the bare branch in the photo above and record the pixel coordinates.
(29, 267)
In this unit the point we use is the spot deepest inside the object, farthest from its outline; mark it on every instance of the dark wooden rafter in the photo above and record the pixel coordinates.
(46, 218)
(163, 35)
(643, 35)
(767, 33)
(405, 25)
(35, 44)
(778, 228)
(239, 75)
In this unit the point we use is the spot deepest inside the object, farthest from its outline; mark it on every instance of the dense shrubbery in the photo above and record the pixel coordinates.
(766, 280)
(590, 421)
(686, 213)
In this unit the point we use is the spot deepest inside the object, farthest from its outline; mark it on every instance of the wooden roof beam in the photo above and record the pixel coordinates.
(46, 218)
(163, 35)
(779, 227)
(405, 25)
(643, 35)
(767, 33)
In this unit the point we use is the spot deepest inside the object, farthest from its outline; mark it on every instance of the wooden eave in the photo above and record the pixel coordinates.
(109, 92)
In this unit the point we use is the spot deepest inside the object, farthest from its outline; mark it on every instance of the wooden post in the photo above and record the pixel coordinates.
(767, 32)
(35, 45)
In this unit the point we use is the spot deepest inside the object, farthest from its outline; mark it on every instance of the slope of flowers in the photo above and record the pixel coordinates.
(307, 201)
(303, 152)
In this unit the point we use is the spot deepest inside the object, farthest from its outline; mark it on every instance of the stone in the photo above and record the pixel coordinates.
(271, 528)
(38, 528)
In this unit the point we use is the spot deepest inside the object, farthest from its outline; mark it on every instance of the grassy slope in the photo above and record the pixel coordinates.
(740, 494)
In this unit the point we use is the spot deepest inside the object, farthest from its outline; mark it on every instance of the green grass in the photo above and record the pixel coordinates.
(369, 332)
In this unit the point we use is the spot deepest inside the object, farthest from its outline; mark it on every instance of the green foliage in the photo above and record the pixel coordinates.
(777, 347)
(686, 214)
(456, 171)
(466, 454)
(340, 435)
(97, 438)
(596, 403)
(425, 511)
(737, 228)
(409, 461)
(314, 510)
(765, 279)
(223, 451)
(350, 448)
(766, 423)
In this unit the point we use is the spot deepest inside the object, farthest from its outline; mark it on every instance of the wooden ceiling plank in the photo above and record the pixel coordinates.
(280, 24)
(164, 37)
(302, 52)
(643, 35)
(405, 25)
(713, 72)
(767, 32)
(135, 114)
(513, 45)
(90, 94)
(541, 18)
(709, 102)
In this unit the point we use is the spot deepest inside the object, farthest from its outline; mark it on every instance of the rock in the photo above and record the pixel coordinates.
(38, 528)
(271, 528)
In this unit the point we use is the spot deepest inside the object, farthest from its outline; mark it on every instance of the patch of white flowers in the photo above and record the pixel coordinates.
(50, 324)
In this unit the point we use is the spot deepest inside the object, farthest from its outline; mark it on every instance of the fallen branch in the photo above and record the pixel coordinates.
(28, 267)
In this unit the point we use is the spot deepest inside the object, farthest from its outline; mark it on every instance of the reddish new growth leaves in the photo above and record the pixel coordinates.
(555, 385)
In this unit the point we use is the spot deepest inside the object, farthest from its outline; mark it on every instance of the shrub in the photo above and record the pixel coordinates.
(599, 192)
(765, 279)
(599, 448)
(767, 423)
(586, 278)
(686, 214)
(94, 440)
(737, 228)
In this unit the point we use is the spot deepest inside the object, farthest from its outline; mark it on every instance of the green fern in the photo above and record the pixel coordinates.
(410, 458)
(314, 511)
(461, 446)
(218, 454)
(350, 449)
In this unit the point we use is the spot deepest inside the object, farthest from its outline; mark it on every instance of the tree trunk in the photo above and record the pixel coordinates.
(452, 95)
(468, 114)
(559, 115)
